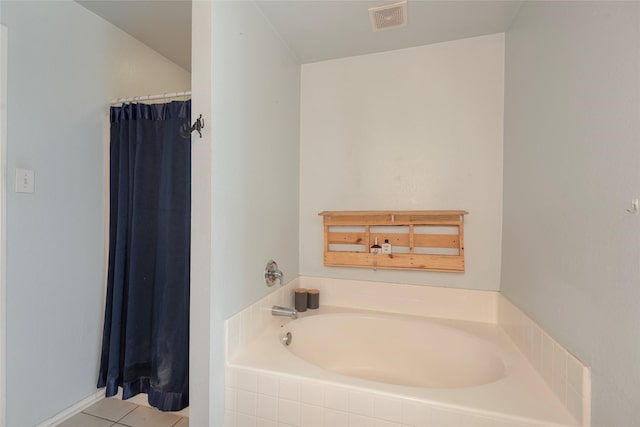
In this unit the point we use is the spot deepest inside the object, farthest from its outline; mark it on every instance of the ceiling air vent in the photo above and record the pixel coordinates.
(389, 16)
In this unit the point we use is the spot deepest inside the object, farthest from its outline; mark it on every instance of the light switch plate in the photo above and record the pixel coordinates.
(24, 181)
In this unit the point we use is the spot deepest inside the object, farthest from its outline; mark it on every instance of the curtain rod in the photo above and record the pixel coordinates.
(150, 97)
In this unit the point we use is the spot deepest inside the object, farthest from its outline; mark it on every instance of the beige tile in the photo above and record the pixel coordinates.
(333, 418)
(261, 422)
(149, 417)
(111, 409)
(574, 374)
(84, 420)
(230, 419)
(247, 380)
(182, 413)
(289, 389)
(388, 409)
(243, 420)
(310, 416)
(361, 403)
(267, 407)
(574, 404)
(184, 422)
(312, 393)
(336, 398)
(288, 412)
(268, 384)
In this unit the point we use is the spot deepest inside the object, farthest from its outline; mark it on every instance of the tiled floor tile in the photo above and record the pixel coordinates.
(110, 409)
(84, 420)
(149, 417)
(143, 400)
(184, 422)
(183, 413)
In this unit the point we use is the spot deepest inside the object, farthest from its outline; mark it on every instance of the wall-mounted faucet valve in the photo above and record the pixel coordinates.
(272, 274)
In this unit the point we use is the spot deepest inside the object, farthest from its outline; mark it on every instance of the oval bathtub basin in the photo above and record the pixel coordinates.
(396, 350)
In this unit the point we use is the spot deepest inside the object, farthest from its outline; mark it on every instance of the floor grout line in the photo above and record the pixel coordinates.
(119, 422)
(96, 416)
(125, 415)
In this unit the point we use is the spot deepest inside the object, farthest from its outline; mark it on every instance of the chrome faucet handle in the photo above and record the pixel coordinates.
(272, 274)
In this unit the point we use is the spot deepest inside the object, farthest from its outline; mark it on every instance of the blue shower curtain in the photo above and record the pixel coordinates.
(145, 344)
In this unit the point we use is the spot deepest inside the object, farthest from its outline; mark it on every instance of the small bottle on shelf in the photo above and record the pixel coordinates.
(386, 247)
(376, 248)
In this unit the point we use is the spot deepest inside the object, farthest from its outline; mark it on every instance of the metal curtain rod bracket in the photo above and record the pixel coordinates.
(198, 125)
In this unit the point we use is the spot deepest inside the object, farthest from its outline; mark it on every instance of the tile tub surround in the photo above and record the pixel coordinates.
(255, 398)
(566, 376)
(245, 325)
(259, 396)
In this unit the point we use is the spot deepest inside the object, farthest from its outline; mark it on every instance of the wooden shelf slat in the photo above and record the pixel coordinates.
(407, 213)
(396, 261)
(396, 239)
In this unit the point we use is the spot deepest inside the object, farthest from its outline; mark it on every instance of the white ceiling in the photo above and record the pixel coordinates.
(315, 30)
(320, 30)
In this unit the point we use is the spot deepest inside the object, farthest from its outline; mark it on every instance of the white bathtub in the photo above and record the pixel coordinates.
(350, 368)
(391, 349)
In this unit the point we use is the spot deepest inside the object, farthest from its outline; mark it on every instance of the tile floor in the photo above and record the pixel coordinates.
(115, 412)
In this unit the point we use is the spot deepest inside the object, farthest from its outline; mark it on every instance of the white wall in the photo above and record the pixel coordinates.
(65, 64)
(417, 128)
(572, 166)
(255, 152)
(201, 306)
(3, 163)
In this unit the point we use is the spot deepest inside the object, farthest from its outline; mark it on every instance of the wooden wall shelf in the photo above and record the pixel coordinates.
(421, 240)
